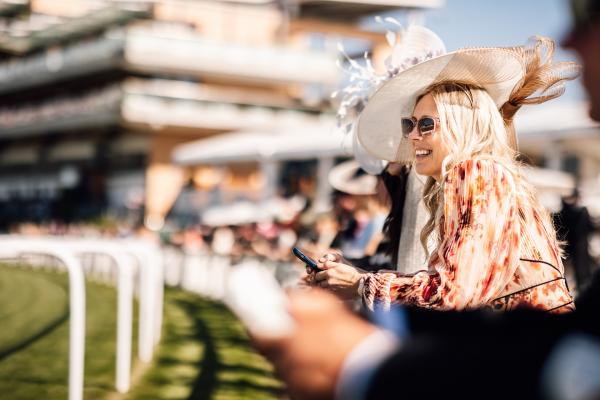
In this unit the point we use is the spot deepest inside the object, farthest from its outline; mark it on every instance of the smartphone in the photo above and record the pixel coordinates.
(306, 260)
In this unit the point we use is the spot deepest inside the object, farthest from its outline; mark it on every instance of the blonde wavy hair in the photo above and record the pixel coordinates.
(471, 127)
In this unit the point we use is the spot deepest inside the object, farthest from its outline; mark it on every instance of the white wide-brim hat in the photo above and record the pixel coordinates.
(345, 178)
(497, 70)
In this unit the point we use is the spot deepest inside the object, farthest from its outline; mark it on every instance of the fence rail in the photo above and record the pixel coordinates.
(134, 267)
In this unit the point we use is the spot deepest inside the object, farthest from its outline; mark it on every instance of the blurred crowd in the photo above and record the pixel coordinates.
(357, 224)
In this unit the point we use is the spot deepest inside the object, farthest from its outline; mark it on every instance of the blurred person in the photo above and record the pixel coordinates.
(244, 236)
(264, 243)
(398, 191)
(407, 216)
(207, 233)
(344, 207)
(399, 196)
(584, 38)
(428, 354)
(574, 226)
(285, 241)
(326, 228)
(450, 354)
(223, 240)
(495, 245)
(192, 240)
(371, 216)
(368, 212)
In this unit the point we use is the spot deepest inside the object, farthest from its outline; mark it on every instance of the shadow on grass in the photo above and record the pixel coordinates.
(205, 383)
(51, 311)
(36, 336)
(219, 332)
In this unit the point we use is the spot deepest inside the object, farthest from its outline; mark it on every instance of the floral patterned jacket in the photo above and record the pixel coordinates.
(495, 251)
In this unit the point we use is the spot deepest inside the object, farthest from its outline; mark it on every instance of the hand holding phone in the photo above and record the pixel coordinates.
(312, 264)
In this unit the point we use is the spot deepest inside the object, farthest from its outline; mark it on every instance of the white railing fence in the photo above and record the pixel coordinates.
(134, 267)
(13, 248)
(115, 262)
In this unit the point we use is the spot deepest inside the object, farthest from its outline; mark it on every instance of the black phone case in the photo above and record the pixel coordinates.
(305, 259)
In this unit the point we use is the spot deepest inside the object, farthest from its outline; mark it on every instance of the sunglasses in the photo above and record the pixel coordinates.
(425, 125)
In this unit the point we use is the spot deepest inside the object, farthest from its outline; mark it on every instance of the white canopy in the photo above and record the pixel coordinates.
(240, 213)
(554, 120)
(548, 180)
(295, 143)
(246, 212)
(551, 186)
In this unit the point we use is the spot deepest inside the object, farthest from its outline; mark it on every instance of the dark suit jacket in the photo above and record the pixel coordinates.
(480, 355)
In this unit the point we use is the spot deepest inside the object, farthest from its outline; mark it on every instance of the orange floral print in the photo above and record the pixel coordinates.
(496, 251)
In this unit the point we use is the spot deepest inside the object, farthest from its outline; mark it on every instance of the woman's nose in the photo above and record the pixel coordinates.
(414, 134)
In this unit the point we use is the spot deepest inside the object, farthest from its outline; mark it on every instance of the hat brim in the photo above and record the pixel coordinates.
(497, 70)
(343, 178)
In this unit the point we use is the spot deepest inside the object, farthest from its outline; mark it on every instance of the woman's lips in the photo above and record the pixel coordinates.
(422, 153)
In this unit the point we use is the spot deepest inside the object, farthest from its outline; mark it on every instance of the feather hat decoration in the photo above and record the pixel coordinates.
(543, 80)
(409, 46)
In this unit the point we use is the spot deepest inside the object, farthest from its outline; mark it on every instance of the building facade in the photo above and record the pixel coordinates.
(95, 95)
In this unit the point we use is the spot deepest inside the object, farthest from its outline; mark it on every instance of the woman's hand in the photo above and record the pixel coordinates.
(343, 279)
(332, 255)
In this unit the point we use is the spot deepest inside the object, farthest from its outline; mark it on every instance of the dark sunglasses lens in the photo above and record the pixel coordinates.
(426, 125)
(407, 126)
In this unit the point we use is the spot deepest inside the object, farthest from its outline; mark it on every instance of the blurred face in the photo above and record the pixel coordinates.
(588, 47)
(430, 149)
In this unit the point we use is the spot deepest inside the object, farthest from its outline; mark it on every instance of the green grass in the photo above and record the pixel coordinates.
(205, 354)
(31, 305)
(39, 369)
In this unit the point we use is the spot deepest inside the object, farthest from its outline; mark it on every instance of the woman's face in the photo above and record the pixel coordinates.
(430, 149)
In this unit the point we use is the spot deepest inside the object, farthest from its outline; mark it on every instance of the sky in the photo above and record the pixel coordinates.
(468, 23)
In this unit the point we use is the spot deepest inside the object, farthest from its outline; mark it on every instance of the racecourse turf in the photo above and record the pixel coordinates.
(34, 362)
(204, 352)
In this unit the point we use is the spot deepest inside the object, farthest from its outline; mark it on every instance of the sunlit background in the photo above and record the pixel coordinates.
(170, 119)
(98, 95)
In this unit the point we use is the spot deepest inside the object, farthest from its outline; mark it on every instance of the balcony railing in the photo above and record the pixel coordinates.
(58, 64)
(151, 107)
(142, 49)
(97, 108)
(193, 55)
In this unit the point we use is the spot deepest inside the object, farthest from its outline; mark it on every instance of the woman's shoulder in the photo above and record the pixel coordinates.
(482, 170)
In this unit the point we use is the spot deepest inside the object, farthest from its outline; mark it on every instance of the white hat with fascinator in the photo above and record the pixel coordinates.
(512, 76)
(409, 46)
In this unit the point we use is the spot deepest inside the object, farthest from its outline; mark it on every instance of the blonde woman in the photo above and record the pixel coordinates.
(494, 244)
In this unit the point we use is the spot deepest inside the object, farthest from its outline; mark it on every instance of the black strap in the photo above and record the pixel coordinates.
(556, 308)
(551, 266)
(542, 262)
(529, 288)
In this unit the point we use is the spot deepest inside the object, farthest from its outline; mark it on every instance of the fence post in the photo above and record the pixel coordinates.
(23, 245)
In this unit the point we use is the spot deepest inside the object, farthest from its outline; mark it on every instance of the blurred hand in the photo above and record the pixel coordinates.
(309, 361)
